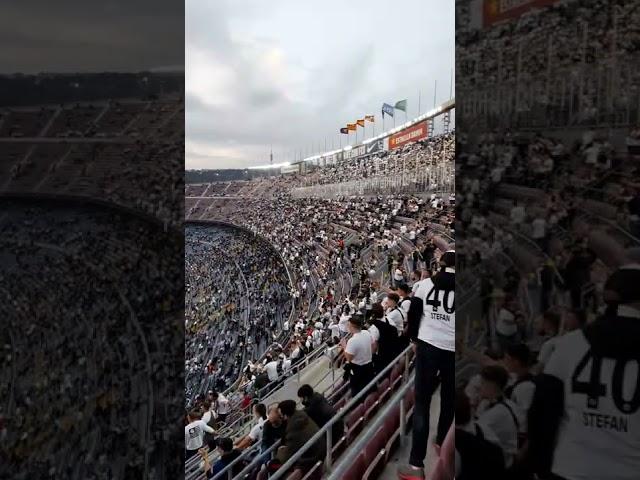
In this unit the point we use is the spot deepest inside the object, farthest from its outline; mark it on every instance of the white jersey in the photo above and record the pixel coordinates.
(601, 413)
(438, 323)
(194, 434)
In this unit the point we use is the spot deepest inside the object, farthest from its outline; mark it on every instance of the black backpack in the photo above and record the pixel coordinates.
(479, 458)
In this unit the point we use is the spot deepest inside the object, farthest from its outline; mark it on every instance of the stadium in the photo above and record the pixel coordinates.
(546, 221)
(312, 244)
(86, 358)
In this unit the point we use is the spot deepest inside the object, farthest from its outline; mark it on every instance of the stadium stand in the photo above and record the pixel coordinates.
(89, 205)
(545, 215)
(344, 254)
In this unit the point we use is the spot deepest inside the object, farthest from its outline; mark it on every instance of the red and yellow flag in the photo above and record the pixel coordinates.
(352, 127)
(360, 122)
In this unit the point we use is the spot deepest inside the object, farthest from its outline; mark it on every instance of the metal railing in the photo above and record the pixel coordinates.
(359, 445)
(326, 430)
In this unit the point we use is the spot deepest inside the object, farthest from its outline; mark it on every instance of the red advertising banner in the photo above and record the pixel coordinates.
(494, 11)
(414, 133)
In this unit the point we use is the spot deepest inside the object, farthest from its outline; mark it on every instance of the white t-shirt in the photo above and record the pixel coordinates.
(546, 350)
(286, 365)
(539, 226)
(359, 345)
(506, 323)
(272, 370)
(396, 318)
(335, 330)
(500, 420)
(522, 396)
(256, 431)
(375, 333)
(595, 430)
(194, 434)
(223, 405)
(438, 323)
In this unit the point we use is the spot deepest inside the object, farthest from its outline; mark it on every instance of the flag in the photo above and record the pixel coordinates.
(344, 130)
(360, 122)
(370, 118)
(388, 109)
(401, 105)
(351, 127)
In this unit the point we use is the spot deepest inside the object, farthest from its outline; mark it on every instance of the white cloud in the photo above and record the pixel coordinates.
(289, 74)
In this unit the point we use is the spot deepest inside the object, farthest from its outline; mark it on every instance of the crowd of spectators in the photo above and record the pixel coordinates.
(237, 300)
(126, 152)
(350, 260)
(545, 219)
(87, 386)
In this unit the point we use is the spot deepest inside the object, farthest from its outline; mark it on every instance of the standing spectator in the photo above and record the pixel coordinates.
(357, 351)
(435, 357)
(194, 433)
(497, 412)
(220, 404)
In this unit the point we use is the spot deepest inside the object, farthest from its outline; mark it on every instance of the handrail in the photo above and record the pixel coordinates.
(254, 462)
(611, 224)
(327, 428)
(358, 446)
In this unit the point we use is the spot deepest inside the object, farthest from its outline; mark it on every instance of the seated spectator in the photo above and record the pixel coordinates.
(300, 429)
(227, 455)
(273, 429)
(255, 434)
(320, 410)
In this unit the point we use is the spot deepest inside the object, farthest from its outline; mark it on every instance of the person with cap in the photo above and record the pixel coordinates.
(358, 352)
(586, 407)
(434, 344)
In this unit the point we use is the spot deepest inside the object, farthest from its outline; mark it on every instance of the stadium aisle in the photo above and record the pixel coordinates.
(318, 371)
(402, 453)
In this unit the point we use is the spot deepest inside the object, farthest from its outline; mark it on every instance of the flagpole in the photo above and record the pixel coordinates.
(435, 88)
(451, 85)
(419, 103)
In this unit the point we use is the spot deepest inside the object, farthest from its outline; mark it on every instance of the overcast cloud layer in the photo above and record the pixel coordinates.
(87, 36)
(289, 74)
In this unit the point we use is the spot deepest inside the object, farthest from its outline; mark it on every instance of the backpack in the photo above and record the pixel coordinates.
(479, 457)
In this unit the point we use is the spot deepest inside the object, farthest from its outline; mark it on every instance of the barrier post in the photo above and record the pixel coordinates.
(403, 428)
(328, 456)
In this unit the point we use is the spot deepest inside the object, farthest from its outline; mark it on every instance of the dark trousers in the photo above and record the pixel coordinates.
(360, 377)
(431, 363)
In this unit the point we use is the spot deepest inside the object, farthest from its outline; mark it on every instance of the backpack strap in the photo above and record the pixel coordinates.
(513, 415)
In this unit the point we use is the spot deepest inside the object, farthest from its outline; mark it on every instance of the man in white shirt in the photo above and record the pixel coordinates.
(255, 434)
(497, 412)
(585, 416)
(358, 352)
(394, 314)
(334, 328)
(220, 404)
(272, 370)
(194, 433)
(435, 358)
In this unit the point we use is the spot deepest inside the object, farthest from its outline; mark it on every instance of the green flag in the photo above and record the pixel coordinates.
(401, 105)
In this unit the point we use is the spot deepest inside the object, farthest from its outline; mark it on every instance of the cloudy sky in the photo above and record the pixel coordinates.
(287, 74)
(85, 36)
